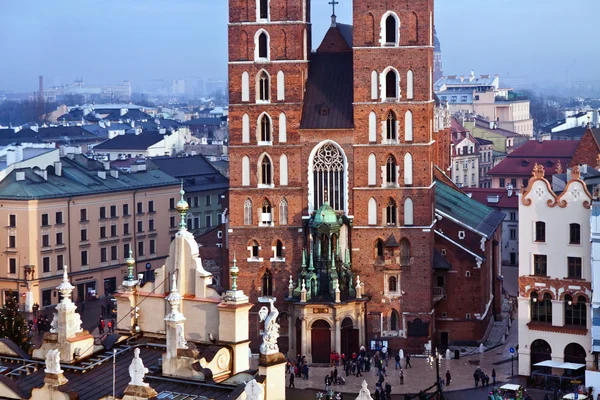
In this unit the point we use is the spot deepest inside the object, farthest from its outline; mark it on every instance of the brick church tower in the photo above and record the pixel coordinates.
(332, 168)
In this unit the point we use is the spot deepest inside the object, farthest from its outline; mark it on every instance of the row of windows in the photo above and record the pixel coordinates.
(265, 213)
(405, 258)
(574, 266)
(195, 201)
(574, 233)
(390, 212)
(575, 312)
(265, 171)
(263, 87)
(513, 182)
(254, 251)
(390, 173)
(264, 129)
(390, 128)
(386, 86)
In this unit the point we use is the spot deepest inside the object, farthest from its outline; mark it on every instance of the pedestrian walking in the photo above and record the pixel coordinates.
(476, 377)
(305, 372)
(448, 378)
(358, 373)
(377, 394)
(401, 377)
(494, 376)
(337, 359)
(388, 391)
(292, 378)
(397, 358)
(408, 361)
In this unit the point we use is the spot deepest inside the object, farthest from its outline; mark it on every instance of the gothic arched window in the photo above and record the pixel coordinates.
(404, 252)
(390, 171)
(263, 87)
(391, 212)
(263, 9)
(262, 44)
(394, 320)
(392, 284)
(265, 129)
(267, 284)
(266, 171)
(254, 249)
(283, 212)
(391, 85)
(329, 180)
(390, 126)
(279, 249)
(379, 250)
(248, 212)
(391, 30)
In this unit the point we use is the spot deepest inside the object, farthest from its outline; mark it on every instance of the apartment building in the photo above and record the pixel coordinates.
(72, 212)
(555, 281)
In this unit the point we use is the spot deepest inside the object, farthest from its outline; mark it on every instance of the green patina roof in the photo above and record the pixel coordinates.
(466, 210)
(79, 178)
(325, 215)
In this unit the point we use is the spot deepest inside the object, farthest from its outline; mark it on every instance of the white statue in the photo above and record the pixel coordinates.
(77, 322)
(137, 370)
(364, 393)
(271, 332)
(53, 362)
(53, 323)
(181, 343)
(254, 391)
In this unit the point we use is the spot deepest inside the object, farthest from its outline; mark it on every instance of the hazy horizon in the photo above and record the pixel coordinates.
(108, 41)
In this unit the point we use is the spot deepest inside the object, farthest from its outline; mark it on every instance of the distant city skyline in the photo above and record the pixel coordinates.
(145, 41)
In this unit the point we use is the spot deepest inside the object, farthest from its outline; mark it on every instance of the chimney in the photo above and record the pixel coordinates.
(509, 190)
(10, 156)
(18, 153)
(20, 176)
(102, 174)
(114, 173)
(106, 165)
(57, 168)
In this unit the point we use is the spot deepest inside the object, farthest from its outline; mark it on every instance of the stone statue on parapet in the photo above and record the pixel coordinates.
(364, 393)
(254, 391)
(271, 332)
(137, 371)
(53, 362)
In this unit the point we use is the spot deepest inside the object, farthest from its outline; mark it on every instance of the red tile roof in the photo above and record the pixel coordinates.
(481, 195)
(456, 126)
(547, 153)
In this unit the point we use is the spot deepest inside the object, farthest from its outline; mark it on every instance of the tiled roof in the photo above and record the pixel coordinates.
(484, 142)
(456, 126)
(481, 195)
(547, 153)
(330, 91)
(131, 142)
(439, 262)
(204, 121)
(198, 173)
(462, 208)
(79, 177)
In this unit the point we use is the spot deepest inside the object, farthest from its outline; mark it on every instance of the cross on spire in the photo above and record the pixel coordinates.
(333, 16)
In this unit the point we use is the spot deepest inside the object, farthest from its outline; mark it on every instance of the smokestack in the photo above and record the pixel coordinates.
(41, 89)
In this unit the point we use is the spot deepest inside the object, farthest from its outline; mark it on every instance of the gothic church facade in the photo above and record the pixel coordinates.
(332, 163)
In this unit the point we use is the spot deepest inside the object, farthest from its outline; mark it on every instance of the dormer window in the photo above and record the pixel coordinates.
(324, 110)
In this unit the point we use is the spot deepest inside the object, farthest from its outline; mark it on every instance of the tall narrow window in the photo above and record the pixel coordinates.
(574, 267)
(391, 85)
(263, 12)
(408, 126)
(574, 234)
(390, 171)
(266, 174)
(248, 212)
(540, 231)
(283, 170)
(265, 129)
(264, 87)
(540, 262)
(394, 319)
(372, 170)
(391, 212)
(328, 177)
(369, 28)
(408, 169)
(254, 249)
(245, 171)
(410, 85)
(392, 286)
(245, 129)
(379, 250)
(413, 28)
(245, 86)
(541, 309)
(279, 249)
(283, 212)
(374, 85)
(575, 313)
(280, 86)
(390, 126)
(267, 216)
(391, 30)
(404, 252)
(372, 211)
(408, 211)
(282, 128)
(267, 284)
(372, 127)
(263, 45)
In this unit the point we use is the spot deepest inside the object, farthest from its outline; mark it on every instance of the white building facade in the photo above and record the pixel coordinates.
(554, 280)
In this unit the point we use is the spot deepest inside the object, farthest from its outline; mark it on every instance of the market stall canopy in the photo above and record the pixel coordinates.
(558, 364)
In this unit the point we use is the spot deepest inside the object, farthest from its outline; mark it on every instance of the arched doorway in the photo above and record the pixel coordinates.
(320, 342)
(349, 337)
(575, 353)
(540, 351)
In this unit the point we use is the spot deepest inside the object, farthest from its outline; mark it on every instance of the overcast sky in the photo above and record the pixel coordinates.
(107, 41)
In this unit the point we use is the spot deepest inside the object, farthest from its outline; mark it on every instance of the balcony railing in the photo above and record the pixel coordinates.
(438, 293)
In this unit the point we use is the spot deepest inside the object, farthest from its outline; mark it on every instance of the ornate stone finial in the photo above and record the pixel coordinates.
(234, 271)
(254, 391)
(130, 262)
(575, 173)
(182, 208)
(357, 281)
(337, 286)
(174, 299)
(137, 371)
(538, 171)
(364, 393)
(53, 362)
(559, 168)
(271, 333)
(304, 285)
(65, 288)
(291, 285)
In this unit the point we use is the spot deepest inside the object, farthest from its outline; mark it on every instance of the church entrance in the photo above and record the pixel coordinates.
(349, 337)
(320, 342)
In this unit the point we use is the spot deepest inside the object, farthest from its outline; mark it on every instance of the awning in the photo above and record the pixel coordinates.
(511, 386)
(559, 364)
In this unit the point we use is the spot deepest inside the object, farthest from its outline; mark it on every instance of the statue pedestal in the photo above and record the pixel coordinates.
(272, 366)
(55, 379)
(233, 330)
(134, 392)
